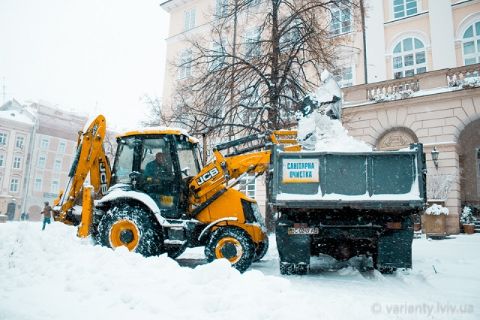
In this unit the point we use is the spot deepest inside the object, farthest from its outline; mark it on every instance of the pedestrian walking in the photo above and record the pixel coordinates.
(47, 214)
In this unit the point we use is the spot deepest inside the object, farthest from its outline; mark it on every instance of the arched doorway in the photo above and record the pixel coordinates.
(469, 156)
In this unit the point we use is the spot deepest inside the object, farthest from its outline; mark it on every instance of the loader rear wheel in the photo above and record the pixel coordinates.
(133, 227)
(233, 244)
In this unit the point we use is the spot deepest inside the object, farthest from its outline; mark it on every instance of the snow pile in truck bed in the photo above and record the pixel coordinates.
(53, 275)
(320, 133)
(316, 131)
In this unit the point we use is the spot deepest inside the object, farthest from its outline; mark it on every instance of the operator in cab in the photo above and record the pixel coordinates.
(158, 176)
(158, 169)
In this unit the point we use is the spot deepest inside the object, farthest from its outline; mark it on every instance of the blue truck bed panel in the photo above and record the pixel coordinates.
(367, 180)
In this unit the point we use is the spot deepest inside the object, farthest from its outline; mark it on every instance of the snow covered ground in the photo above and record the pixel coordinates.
(55, 275)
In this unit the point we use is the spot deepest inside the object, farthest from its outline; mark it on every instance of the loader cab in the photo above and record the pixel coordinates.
(159, 164)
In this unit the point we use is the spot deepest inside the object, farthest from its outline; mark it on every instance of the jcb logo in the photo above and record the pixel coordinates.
(103, 178)
(207, 176)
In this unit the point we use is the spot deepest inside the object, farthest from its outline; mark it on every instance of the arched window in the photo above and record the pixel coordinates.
(471, 44)
(409, 58)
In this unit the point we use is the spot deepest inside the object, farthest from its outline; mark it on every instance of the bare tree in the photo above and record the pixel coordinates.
(156, 115)
(239, 84)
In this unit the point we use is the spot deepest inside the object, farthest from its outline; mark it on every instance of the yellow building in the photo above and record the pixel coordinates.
(413, 75)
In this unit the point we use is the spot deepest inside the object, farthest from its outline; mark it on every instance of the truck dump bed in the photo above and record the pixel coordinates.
(387, 180)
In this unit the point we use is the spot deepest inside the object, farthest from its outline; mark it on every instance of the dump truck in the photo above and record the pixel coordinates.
(346, 204)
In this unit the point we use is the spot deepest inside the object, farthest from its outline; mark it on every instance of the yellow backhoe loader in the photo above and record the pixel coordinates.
(157, 198)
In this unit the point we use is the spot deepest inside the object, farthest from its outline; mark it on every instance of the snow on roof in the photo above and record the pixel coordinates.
(16, 115)
(161, 129)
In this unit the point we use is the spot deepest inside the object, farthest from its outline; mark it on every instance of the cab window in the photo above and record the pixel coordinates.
(152, 147)
(124, 161)
(187, 158)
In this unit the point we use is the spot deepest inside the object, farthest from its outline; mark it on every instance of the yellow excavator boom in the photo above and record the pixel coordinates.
(90, 160)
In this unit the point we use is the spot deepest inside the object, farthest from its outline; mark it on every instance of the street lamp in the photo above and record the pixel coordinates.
(435, 156)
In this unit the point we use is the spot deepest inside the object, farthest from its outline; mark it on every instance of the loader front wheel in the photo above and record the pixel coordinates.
(233, 244)
(133, 227)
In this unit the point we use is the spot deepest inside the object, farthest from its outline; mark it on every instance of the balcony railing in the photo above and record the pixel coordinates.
(421, 84)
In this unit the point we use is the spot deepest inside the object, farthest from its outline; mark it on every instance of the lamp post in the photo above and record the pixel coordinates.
(435, 156)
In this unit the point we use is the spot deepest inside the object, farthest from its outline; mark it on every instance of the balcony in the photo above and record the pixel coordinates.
(444, 80)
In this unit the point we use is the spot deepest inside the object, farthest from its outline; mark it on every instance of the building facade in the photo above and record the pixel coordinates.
(17, 127)
(50, 146)
(410, 74)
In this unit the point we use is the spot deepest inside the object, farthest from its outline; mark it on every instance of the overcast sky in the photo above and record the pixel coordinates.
(92, 56)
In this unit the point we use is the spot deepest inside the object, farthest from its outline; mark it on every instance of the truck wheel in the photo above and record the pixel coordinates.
(287, 268)
(132, 227)
(233, 244)
(261, 250)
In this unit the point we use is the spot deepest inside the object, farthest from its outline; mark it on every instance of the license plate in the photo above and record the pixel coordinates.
(303, 231)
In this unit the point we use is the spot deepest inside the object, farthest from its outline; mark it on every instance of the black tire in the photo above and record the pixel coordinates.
(119, 224)
(261, 250)
(231, 243)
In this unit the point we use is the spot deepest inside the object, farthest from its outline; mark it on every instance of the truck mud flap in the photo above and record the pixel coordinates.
(292, 248)
(395, 249)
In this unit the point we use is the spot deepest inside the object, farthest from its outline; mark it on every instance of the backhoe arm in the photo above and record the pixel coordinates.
(224, 171)
(90, 159)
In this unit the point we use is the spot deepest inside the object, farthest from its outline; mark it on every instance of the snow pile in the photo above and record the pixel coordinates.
(316, 128)
(436, 209)
(54, 275)
(320, 133)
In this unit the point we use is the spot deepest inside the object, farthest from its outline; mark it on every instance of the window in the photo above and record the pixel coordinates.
(252, 43)
(344, 76)
(189, 19)
(185, 70)
(62, 147)
(471, 44)
(2, 159)
(3, 138)
(38, 184)
(54, 186)
(19, 141)
(57, 165)
(409, 58)
(218, 56)
(292, 35)
(221, 8)
(44, 143)
(17, 162)
(247, 186)
(341, 20)
(404, 8)
(14, 184)
(41, 161)
(250, 99)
